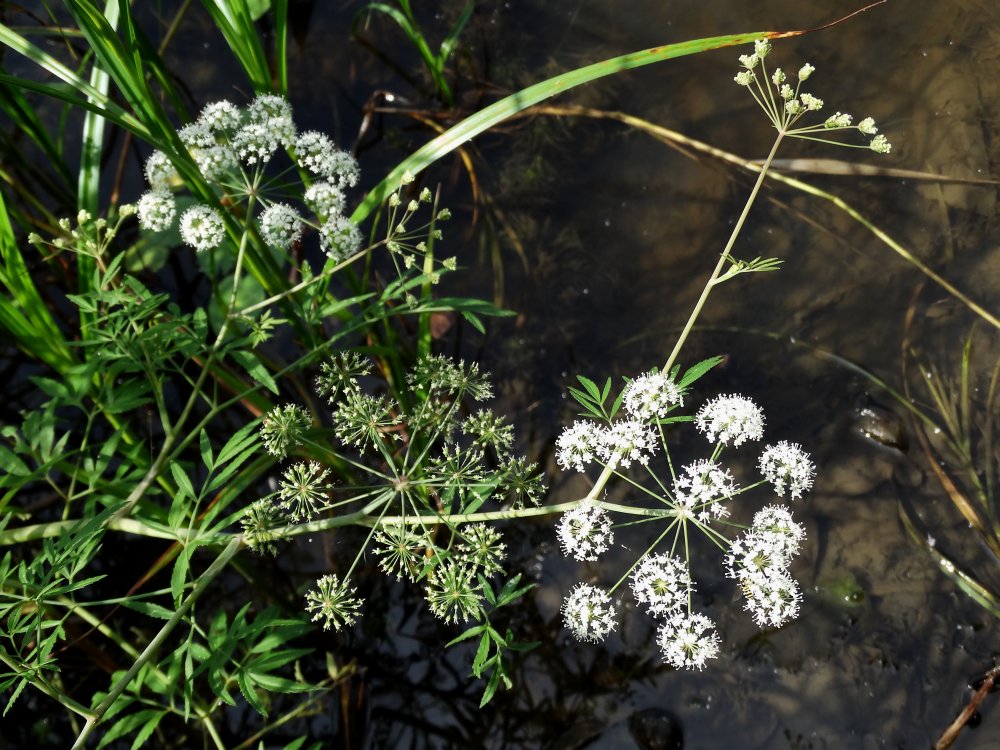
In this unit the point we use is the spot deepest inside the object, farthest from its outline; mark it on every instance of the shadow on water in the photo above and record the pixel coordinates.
(602, 239)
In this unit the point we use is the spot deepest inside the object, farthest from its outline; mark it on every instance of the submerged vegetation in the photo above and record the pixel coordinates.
(248, 355)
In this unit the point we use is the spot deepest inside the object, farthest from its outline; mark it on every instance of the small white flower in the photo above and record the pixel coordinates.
(202, 227)
(805, 71)
(577, 445)
(280, 225)
(811, 103)
(215, 161)
(255, 143)
(302, 490)
(196, 135)
(585, 532)
(340, 238)
(325, 199)
(762, 48)
(756, 554)
(314, 151)
(772, 599)
(626, 441)
(663, 583)
(221, 117)
(156, 210)
(787, 92)
(744, 77)
(880, 145)
(788, 468)
(343, 170)
(333, 602)
(839, 120)
(730, 420)
(749, 61)
(651, 396)
(588, 613)
(160, 172)
(688, 640)
(778, 77)
(275, 114)
(867, 126)
(774, 523)
(793, 107)
(704, 482)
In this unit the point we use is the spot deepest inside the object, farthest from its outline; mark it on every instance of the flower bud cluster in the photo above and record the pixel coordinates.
(785, 104)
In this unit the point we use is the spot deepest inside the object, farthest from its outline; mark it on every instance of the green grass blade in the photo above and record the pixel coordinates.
(88, 186)
(498, 112)
(451, 41)
(235, 21)
(281, 44)
(24, 314)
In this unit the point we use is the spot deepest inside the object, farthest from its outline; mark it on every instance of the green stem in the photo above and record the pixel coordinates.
(123, 682)
(724, 257)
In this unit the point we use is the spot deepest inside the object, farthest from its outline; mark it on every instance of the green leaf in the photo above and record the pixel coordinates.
(698, 370)
(470, 633)
(205, 444)
(149, 609)
(184, 485)
(255, 368)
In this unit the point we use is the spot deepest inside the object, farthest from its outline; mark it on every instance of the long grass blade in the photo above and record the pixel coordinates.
(508, 107)
(24, 315)
(234, 19)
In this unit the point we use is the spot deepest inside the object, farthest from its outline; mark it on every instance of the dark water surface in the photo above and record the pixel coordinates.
(600, 238)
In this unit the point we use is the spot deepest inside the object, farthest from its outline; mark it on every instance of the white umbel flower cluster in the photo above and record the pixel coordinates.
(730, 420)
(588, 613)
(651, 396)
(788, 468)
(585, 532)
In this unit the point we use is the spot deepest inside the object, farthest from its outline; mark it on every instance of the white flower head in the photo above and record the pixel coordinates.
(755, 554)
(202, 227)
(805, 71)
(314, 151)
(838, 120)
(662, 583)
(333, 602)
(811, 103)
(880, 145)
(160, 172)
(773, 598)
(215, 161)
(778, 77)
(156, 210)
(196, 135)
(867, 126)
(775, 525)
(588, 613)
(577, 445)
(280, 225)
(275, 114)
(762, 48)
(626, 441)
(744, 77)
(255, 143)
(222, 117)
(651, 396)
(688, 641)
(585, 532)
(325, 198)
(787, 92)
(730, 420)
(704, 482)
(749, 61)
(788, 468)
(340, 238)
